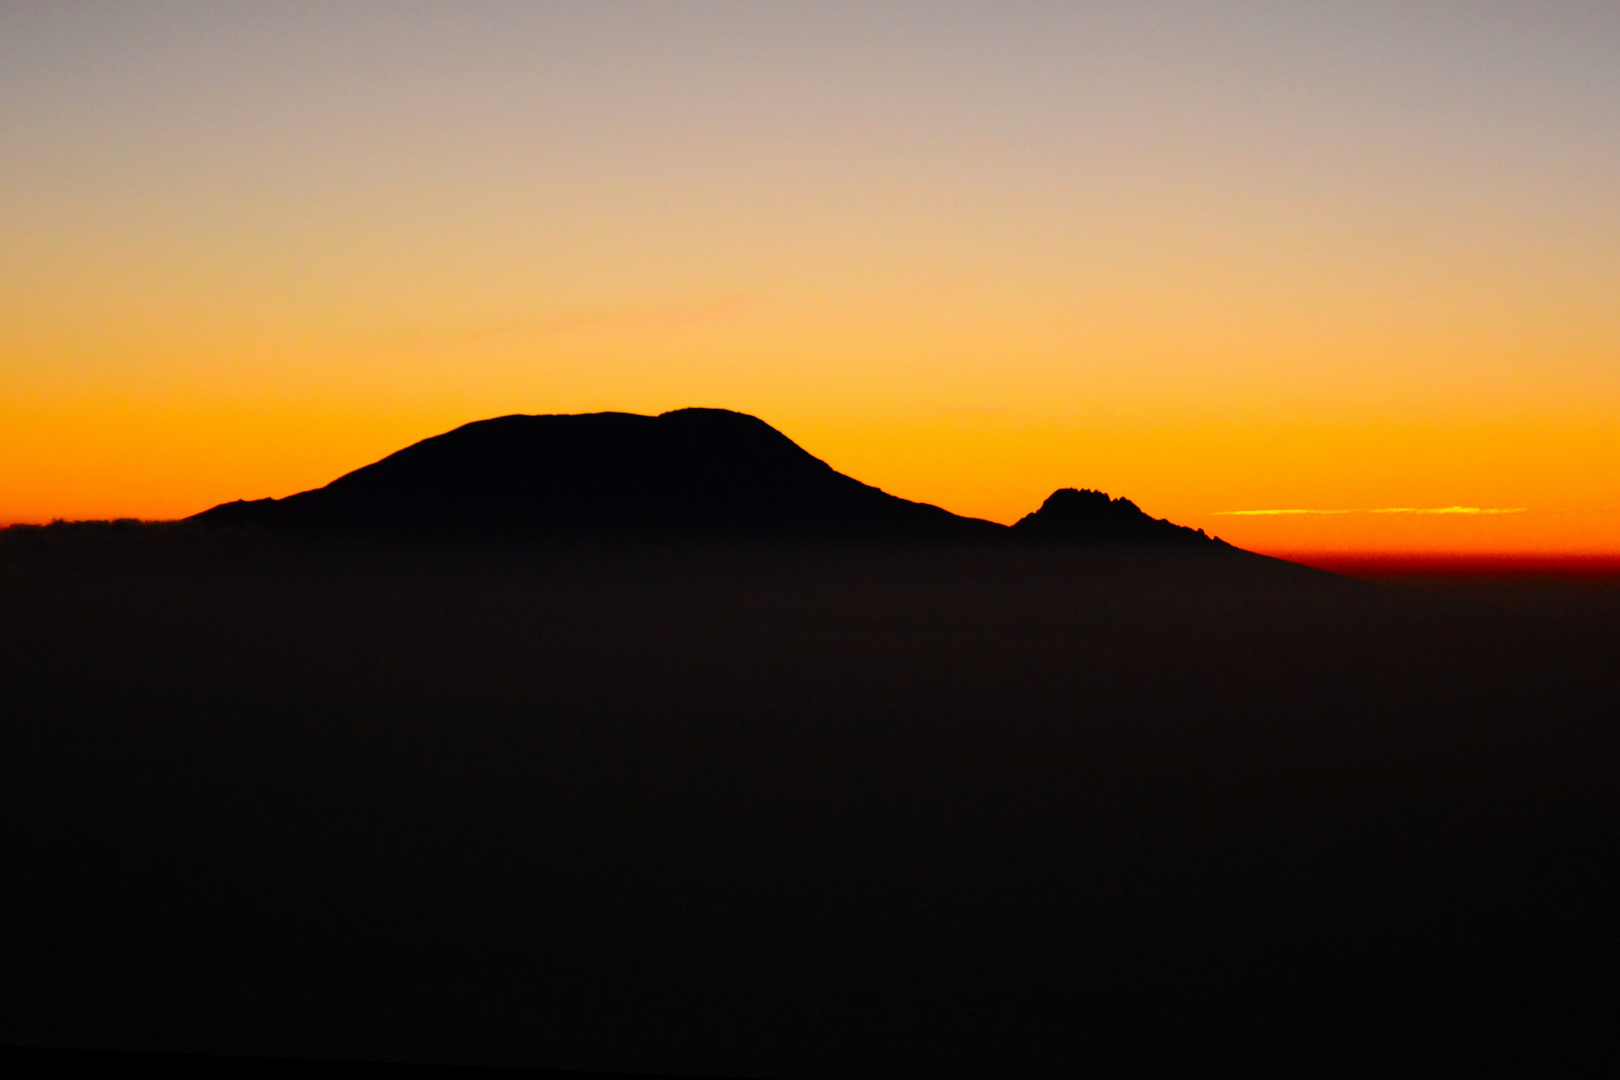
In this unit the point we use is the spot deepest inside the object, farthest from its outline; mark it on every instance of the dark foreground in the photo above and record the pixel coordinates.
(800, 812)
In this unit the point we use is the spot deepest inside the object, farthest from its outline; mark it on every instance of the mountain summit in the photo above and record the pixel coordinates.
(687, 473)
(1087, 516)
(691, 473)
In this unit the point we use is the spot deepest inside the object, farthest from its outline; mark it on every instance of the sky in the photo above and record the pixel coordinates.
(1357, 261)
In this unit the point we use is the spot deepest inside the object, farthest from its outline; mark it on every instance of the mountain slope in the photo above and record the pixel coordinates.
(688, 473)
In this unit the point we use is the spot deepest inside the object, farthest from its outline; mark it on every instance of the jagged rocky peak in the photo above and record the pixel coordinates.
(1084, 515)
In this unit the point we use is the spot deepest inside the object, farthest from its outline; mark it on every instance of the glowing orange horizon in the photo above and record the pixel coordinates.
(980, 473)
(1255, 275)
(1398, 565)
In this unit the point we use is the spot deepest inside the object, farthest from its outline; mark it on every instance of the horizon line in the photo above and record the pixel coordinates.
(1468, 510)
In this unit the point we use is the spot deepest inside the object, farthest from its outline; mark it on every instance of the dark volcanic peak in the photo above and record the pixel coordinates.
(1089, 516)
(691, 473)
(688, 473)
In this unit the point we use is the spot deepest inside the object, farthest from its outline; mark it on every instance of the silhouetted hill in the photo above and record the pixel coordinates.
(690, 473)
(1092, 517)
(687, 473)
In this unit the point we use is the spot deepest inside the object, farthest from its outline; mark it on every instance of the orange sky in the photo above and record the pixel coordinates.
(1220, 258)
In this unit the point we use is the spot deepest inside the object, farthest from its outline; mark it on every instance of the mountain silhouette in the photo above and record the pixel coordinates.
(1085, 516)
(691, 473)
(687, 473)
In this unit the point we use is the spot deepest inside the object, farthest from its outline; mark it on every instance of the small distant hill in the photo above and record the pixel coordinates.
(691, 473)
(1085, 516)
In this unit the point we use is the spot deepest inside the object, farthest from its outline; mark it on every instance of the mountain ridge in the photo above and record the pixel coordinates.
(689, 473)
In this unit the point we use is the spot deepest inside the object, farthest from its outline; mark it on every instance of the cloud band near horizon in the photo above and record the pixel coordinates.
(1386, 510)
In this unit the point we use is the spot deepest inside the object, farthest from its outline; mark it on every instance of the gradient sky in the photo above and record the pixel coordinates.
(1216, 257)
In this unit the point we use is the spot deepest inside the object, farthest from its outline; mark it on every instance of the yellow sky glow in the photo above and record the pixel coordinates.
(1366, 259)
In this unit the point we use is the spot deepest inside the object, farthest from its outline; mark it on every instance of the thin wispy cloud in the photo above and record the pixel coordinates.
(1385, 510)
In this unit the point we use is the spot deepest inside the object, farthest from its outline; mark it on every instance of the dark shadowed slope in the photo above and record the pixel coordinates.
(1092, 517)
(692, 472)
